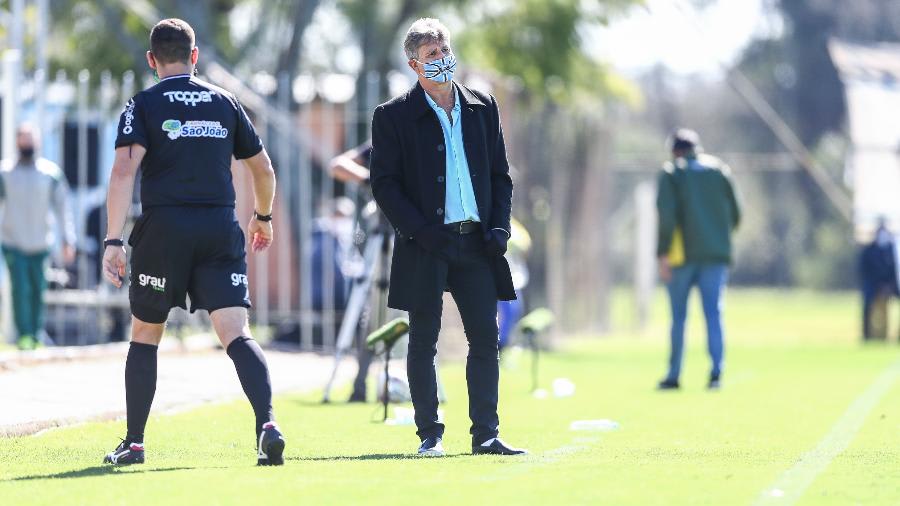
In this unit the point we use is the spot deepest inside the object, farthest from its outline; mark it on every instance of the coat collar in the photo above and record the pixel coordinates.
(419, 105)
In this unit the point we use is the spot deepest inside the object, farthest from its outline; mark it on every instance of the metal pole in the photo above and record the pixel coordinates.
(12, 60)
(305, 236)
(285, 176)
(351, 113)
(328, 251)
(372, 85)
(17, 29)
(10, 110)
(644, 251)
(107, 119)
(40, 73)
(81, 188)
(107, 98)
(387, 379)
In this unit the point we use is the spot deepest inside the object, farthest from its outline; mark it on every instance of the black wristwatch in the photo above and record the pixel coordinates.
(262, 217)
(113, 242)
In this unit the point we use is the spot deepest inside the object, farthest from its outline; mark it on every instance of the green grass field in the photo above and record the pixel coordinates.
(794, 366)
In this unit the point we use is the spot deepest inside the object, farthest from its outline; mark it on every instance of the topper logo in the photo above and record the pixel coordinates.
(238, 279)
(158, 284)
(191, 98)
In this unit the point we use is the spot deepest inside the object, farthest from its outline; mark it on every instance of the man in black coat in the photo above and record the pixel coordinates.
(439, 172)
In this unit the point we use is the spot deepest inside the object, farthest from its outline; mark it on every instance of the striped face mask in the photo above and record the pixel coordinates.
(440, 70)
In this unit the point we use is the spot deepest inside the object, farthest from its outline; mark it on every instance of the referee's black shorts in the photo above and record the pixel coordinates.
(193, 251)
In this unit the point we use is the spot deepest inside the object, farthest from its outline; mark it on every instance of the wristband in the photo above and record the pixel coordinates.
(262, 217)
(113, 242)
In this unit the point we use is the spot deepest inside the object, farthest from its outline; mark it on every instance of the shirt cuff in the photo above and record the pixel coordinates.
(508, 235)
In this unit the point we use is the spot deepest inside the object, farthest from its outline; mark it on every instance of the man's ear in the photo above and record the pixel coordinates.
(413, 65)
(151, 61)
(195, 55)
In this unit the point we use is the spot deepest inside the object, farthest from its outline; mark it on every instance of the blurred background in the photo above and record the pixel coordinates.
(792, 94)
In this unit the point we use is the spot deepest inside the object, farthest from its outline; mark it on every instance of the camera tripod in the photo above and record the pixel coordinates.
(376, 260)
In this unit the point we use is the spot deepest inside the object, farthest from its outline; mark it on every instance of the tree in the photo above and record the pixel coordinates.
(564, 147)
(113, 34)
(539, 42)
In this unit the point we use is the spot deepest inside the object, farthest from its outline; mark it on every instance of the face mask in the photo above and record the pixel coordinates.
(440, 70)
(26, 153)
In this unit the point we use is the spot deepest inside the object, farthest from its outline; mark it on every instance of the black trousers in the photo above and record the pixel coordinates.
(466, 273)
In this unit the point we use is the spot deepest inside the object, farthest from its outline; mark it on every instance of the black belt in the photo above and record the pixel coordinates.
(463, 227)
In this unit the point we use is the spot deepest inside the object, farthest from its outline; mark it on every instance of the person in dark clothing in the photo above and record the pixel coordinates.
(184, 133)
(878, 273)
(440, 174)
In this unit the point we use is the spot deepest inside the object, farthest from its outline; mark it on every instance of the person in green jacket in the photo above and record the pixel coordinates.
(698, 211)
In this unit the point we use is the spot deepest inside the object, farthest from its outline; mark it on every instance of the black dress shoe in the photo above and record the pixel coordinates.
(431, 447)
(668, 384)
(496, 446)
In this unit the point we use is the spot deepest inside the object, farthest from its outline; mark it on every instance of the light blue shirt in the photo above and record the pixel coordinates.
(460, 202)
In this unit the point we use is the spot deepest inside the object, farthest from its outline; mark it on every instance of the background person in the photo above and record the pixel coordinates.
(183, 133)
(333, 235)
(878, 273)
(509, 312)
(698, 211)
(32, 189)
(449, 199)
(352, 166)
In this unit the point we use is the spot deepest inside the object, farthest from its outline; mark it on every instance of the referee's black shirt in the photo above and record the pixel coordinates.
(190, 129)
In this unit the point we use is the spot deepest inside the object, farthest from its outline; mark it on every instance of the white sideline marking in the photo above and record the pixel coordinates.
(791, 485)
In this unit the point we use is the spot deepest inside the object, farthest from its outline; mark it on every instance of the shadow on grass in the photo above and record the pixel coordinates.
(377, 456)
(103, 470)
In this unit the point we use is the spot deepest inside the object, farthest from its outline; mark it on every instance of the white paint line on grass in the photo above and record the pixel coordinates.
(790, 486)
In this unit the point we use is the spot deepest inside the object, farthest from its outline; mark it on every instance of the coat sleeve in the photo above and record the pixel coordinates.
(501, 183)
(667, 210)
(734, 200)
(387, 176)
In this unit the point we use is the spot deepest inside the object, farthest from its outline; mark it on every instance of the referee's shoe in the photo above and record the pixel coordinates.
(128, 452)
(270, 448)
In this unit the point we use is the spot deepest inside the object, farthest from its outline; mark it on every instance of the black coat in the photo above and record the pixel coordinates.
(408, 171)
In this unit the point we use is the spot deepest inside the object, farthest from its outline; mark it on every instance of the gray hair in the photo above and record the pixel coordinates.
(424, 31)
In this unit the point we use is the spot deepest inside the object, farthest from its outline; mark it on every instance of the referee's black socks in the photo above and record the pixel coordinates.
(253, 372)
(140, 386)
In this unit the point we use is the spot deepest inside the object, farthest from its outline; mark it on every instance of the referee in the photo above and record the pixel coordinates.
(182, 133)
